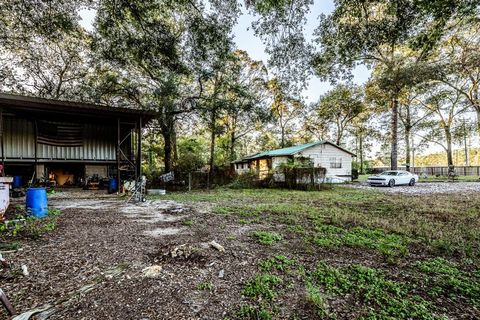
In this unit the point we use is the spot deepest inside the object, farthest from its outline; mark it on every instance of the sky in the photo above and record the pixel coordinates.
(246, 40)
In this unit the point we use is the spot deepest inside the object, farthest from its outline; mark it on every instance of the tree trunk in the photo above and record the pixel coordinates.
(448, 136)
(408, 147)
(394, 136)
(360, 147)
(282, 143)
(213, 119)
(168, 131)
(339, 139)
(476, 106)
(477, 110)
(167, 148)
(174, 145)
(233, 139)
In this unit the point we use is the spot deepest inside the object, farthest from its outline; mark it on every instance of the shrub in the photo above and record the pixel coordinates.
(244, 180)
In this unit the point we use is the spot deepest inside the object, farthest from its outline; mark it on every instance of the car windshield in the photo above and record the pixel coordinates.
(389, 173)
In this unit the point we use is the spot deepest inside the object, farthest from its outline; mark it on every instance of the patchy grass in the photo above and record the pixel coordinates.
(279, 263)
(262, 287)
(381, 298)
(267, 238)
(391, 246)
(445, 279)
(447, 224)
(349, 253)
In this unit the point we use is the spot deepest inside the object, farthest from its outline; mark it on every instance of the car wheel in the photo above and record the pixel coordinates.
(412, 183)
(391, 183)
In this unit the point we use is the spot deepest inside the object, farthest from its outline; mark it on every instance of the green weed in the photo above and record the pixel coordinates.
(279, 263)
(267, 238)
(391, 246)
(315, 297)
(382, 298)
(253, 313)
(444, 278)
(262, 287)
(207, 286)
(188, 222)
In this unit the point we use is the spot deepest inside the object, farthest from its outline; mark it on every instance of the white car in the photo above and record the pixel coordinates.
(392, 178)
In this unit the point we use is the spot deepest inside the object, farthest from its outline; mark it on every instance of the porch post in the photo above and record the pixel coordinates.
(1, 139)
(36, 148)
(118, 155)
(139, 148)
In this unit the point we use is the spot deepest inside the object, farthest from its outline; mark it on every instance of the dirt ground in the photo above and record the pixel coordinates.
(425, 188)
(93, 266)
(107, 259)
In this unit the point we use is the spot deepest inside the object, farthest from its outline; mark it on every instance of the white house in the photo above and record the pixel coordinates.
(336, 160)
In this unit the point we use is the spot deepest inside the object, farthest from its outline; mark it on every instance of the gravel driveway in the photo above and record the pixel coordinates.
(426, 188)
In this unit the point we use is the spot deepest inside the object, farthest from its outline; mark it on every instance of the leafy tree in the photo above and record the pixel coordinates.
(395, 37)
(53, 68)
(285, 111)
(158, 54)
(281, 26)
(446, 105)
(43, 49)
(247, 101)
(412, 116)
(364, 132)
(192, 154)
(341, 106)
(315, 127)
(457, 62)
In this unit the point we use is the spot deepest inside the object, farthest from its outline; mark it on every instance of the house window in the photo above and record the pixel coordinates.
(335, 162)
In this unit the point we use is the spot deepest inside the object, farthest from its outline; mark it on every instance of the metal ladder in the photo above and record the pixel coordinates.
(138, 195)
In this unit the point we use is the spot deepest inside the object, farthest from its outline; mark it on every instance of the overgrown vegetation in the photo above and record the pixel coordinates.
(379, 256)
(388, 224)
(25, 226)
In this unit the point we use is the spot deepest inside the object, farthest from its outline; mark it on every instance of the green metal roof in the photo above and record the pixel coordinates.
(290, 151)
(285, 151)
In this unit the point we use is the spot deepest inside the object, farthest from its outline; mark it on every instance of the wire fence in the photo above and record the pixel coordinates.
(436, 170)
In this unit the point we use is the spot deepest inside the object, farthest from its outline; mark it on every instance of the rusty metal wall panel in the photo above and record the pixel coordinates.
(99, 143)
(21, 144)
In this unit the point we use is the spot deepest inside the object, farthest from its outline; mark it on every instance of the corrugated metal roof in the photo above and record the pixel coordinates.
(290, 151)
(40, 104)
(284, 151)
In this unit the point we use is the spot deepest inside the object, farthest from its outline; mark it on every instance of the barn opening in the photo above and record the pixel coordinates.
(69, 144)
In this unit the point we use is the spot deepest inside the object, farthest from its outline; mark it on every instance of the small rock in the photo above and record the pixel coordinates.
(217, 246)
(221, 274)
(25, 270)
(152, 272)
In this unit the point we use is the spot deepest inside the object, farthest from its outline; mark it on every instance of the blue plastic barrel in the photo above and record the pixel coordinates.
(36, 202)
(17, 182)
(112, 185)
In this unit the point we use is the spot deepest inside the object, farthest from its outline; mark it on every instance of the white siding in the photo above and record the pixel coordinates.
(241, 168)
(321, 155)
(277, 161)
